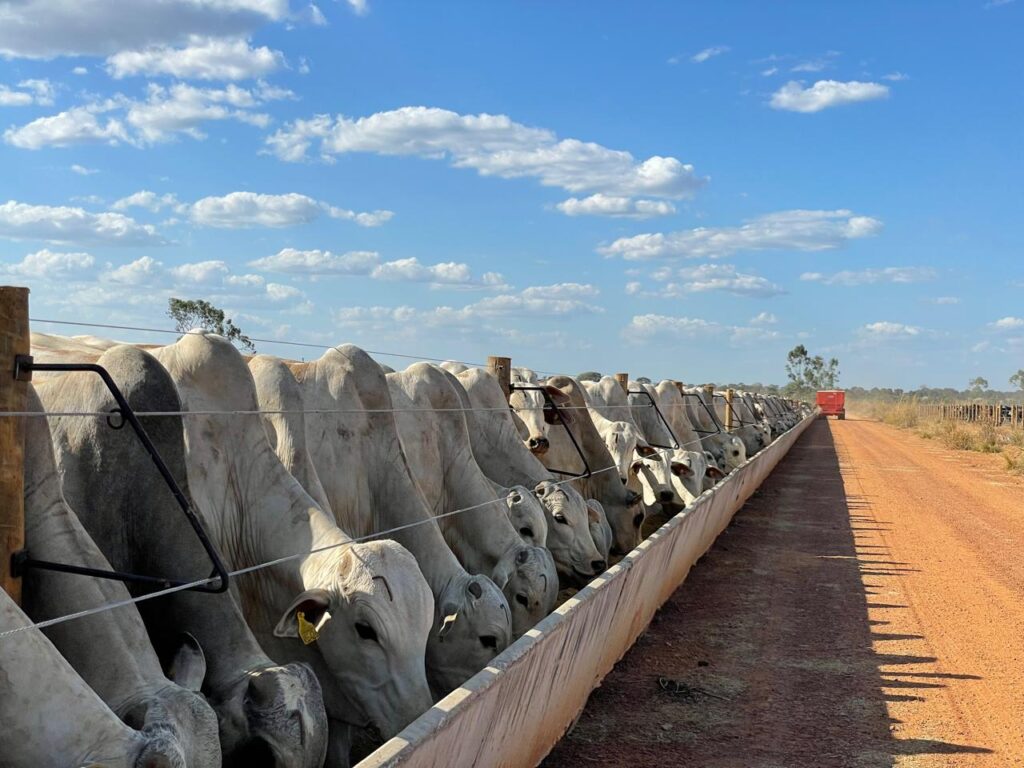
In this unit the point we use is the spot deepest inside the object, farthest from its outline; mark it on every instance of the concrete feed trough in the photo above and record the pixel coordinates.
(513, 712)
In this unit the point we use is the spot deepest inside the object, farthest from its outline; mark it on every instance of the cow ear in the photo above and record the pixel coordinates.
(595, 512)
(557, 396)
(715, 472)
(681, 470)
(188, 667)
(645, 450)
(312, 604)
(635, 467)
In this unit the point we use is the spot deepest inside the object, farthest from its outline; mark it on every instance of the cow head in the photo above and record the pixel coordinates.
(527, 576)
(472, 625)
(526, 514)
(369, 616)
(538, 416)
(577, 558)
(654, 471)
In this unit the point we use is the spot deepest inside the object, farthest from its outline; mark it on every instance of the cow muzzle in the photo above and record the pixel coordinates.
(538, 445)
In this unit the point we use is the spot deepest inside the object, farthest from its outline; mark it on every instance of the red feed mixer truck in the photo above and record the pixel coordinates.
(832, 403)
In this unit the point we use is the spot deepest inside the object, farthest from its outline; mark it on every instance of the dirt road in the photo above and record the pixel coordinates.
(866, 608)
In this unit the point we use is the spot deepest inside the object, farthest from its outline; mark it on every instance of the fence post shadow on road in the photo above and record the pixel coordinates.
(772, 637)
(809, 486)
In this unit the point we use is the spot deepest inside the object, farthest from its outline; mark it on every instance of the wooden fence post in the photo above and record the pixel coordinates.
(728, 409)
(14, 340)
(623, 379)
(501, 369)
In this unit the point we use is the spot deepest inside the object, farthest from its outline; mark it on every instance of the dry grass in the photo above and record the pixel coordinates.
(957, 435)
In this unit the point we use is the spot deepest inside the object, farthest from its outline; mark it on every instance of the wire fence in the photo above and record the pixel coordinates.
(313, 411)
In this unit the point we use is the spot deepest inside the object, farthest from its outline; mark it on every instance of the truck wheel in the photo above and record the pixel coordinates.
(842, 417)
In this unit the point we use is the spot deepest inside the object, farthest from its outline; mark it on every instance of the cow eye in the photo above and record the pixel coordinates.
(489, 641)
(560, 518)
(527, 532)
(523, 600)
(365, 631)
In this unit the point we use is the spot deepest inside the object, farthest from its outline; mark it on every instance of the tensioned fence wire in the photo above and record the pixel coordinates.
(316, 550)
(280, 560)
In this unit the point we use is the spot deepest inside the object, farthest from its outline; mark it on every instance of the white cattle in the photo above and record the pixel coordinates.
(358, 613)
(51, 717)
(436, 442)
(727, 450)
(621, 506)
(498, 448)
(352, 453)
(622, 421)
(110, 649)
(696, 471)
(265, 712)
(281, 403)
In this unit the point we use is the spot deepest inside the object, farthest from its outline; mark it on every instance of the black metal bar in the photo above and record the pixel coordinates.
(22, 562)
(664, 421)
(25, 365)
(714, 420)
(736, 416)
(550, 403)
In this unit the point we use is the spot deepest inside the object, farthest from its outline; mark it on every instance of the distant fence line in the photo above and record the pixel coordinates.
(997, 414)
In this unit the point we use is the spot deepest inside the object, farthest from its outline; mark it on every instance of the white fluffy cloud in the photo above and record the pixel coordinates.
(73, 226)
(1008, 323)
(724, 278)
(81, 170)
(28, 92)
(945, 300)
(369, 264)
(797, 230)
(203, 58)
(716, 50)
(533, 302)
(872, 276)
(764, 318)
(643, 327)
(43, 29)
(78, 125)
(610, 205)
(888, 330)
(654, 328)
(448, 273)
(164, 114)
(47, 264)
(238, 210)
(493, 145)
(213, 278)
(316, 262)
(794, 97)
(151, 201)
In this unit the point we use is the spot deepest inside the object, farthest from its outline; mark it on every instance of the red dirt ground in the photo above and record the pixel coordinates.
(865, 609)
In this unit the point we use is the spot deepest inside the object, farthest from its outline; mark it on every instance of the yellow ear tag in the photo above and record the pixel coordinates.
(307, 632)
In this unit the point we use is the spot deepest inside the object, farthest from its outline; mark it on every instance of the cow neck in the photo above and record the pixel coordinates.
(371, 479)
(278, 390)
(497, 446)
(257, 510)
(95, 645)
(482, 535)
(105, 486)
(61, 719)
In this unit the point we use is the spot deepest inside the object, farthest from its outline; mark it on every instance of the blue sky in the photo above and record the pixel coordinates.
(676, 190)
